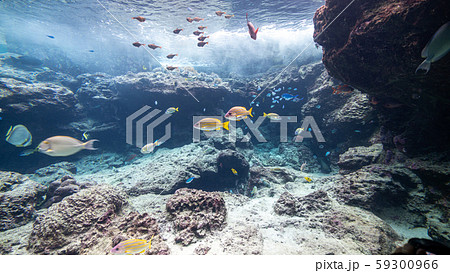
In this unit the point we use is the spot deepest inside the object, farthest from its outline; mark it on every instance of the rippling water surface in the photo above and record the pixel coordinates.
(96, 35)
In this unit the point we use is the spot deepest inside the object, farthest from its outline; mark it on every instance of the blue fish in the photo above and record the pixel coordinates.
(283, 106)
(320, 146)
(318, 106)
(289, 88)
(273, 93)
(1, 118)
(277, 97)
(156, 102)
(253, 96)
(287, 96)
(189, 180)
(272, 106)
(309, 129)
(327, 153)
(333, 131)
(357, 131)
(268, 94)
(278, 90)
(51, 37)
(91, 50)
(259, 88)
(295, 89)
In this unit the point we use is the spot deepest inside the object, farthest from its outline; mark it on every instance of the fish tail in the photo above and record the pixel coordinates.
(425, 65)
(176, 109)
(256, 32)
(264, 114)
(89, 145)
(250, 112)
(225, 125)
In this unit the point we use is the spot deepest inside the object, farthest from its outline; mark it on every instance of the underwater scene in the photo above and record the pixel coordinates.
(224, 127)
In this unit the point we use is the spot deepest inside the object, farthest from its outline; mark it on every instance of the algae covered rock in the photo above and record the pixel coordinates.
(357, 157)
(19, 197)
(61, 225)
(195, 212)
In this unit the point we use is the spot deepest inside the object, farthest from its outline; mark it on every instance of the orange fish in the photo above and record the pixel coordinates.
(220, 13)
(197, 19)
(197, 33)
(153, 46)
(202, 44)
(202, 28)
(171, 67)
(177, 31)
(170, 56)
(238, 113)
(139, 18)
(251, 28)
(137, 44)
(189, 19)
(342, 89)
(229, 16)
(202, 38)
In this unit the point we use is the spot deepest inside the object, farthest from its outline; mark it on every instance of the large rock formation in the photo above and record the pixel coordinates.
(375, 46)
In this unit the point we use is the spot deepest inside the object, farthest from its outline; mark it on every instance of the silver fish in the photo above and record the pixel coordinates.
(436, 48)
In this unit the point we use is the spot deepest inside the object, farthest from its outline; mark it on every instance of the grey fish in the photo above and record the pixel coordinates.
(436, 48)
(19, 136)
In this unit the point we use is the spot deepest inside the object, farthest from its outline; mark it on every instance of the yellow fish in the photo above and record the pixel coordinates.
(171, 110)
(272, 116)
(132, 246)
(308, 179)
(64, 146)
(85, 136)
(150, 147)
(210, 124)
(234, 171)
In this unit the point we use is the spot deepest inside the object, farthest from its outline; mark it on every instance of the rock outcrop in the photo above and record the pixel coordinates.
(195, 213)
(19, 199)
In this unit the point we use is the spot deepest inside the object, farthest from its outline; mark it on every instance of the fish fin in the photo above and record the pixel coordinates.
(425, 65)
(9, 131)
(256, 32)
(264, 114)
(250, 112)
(176, 109)
(89, 145)
(225, 125)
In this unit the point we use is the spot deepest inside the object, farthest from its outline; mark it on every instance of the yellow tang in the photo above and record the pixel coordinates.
(308, 179)
(234, 171)
(132, 246)
(210, 124)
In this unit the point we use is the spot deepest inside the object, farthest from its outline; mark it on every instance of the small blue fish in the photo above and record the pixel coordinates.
(91, 50)
(204, 109)
(189, 180)
(318, 106)
(333, 131)
(268, 94)
(295, 89)
(315, 156)
(189, 9)
(327, 153)
(253, 96)
(283, 87)
(156, 102)
(51, 37)
(357, 131)
(289, 88)
(320, 146)
(272, 106)
(277, 97)
(278, 90)
(283, 106)
(287, 96)
(1, 118)
(309, 129)
(257, 104)
(273, 93)
(259, 88)
(28, 152)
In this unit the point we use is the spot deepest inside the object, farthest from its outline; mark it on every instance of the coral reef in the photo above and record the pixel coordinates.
(53, 172)
(195, 212)
(19, 198)
(357, 157)
(61, 188)
(58, 230)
